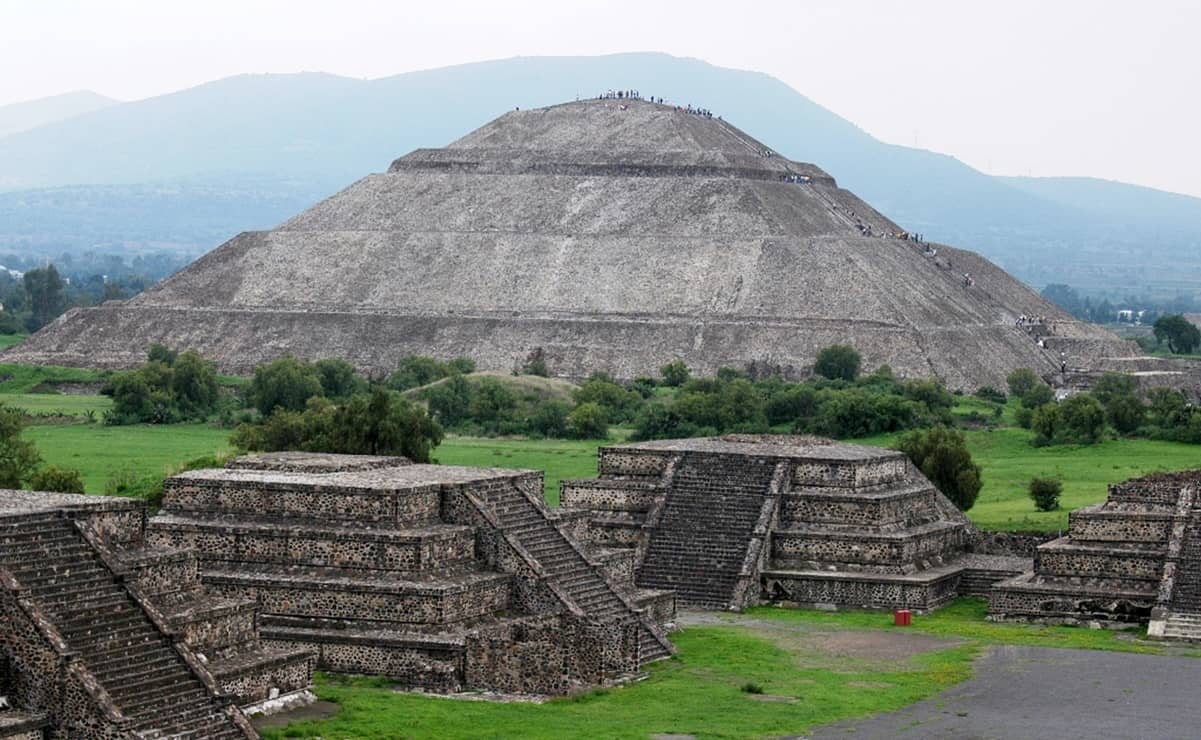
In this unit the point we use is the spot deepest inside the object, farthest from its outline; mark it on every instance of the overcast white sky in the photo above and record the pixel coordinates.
(1051, 87)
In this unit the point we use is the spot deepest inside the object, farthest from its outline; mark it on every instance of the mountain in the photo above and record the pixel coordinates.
(30, 114)
(323, 131)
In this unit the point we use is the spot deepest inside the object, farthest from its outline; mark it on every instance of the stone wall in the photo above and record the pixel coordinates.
(1018, 544)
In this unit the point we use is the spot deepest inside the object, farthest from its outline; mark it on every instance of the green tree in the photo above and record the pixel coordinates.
(1037, 396)
(1022, 381)
(588, 421)
(1045, 493)
(382, 422)
(675, 373)
(1082, 419)
(338, 378)
(550, 420)
(1181, 334)
(619, 403)
(450, 402)
(160, 353)
(417, 370)
(47, 296)
(286, 383)
(19, 458)
(194, 385)
(60, 480)
(941, 454)
(838, 362)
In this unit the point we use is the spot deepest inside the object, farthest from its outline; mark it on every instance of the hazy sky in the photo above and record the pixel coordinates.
(1040, 87)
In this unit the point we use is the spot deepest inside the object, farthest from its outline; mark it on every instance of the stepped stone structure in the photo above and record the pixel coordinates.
(442, 578)
(728, 522)
(105, 636)
(606, 235)
(1136, 558)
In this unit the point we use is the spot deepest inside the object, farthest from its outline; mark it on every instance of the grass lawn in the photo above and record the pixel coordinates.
(99, 452)
(23, 378)
(559, 458)
(812, 668)
(1008, 462)
(11, 340)
(57, 403)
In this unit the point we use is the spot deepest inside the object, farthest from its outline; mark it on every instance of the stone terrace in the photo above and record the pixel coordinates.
(1136, 558)
(445, 578)
(731, 521)
(103, 637)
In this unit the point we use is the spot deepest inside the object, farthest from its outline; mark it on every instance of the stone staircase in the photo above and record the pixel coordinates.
(707, 521)
(147, 677)
(565, 565)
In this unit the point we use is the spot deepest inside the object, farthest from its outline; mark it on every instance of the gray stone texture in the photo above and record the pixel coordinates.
(612, 237)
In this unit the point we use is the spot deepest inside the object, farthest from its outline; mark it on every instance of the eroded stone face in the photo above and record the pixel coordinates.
(729, 521)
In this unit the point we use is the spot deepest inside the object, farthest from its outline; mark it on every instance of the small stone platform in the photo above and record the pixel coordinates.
(444, 578)
(1134, 559)
(731, 521)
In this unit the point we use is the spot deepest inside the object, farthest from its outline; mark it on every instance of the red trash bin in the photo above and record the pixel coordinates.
(902, 618)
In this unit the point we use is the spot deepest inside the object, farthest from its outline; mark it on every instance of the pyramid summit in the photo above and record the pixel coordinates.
(605, 234)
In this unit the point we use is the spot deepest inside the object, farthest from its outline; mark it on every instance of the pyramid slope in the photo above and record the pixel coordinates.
(609, 235)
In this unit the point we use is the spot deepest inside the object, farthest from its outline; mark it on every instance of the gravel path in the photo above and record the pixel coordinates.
(1025, 692)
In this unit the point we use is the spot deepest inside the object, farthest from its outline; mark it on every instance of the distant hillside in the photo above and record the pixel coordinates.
(33, 113)
(318, 132)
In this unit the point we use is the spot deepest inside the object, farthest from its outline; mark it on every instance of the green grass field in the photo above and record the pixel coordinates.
(812, 668)
(99, 452)
(557, 457)
(57, 403)
(10, 340)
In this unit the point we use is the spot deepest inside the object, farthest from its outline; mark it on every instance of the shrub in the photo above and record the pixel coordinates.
(338, 378)
(381, 422)
(286, 383)
(588, 421)
(644, 387)
(1045, 493)
(1038, 395)
(18, 457)
(415, 371)
(1125, 414)
(791, 405)
(60, 480)
(675, 373)
(535, 364)
(837, 362)
(1020, 381)
(942, 456)
(750, 687)
(1082, 419)
(619, 404)
(120, 483)
(550, 420)
(988, 393)
(450, 402)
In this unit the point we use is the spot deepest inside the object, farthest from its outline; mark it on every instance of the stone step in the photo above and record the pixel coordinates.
(387, 596)
(152, 701)
(249, 540)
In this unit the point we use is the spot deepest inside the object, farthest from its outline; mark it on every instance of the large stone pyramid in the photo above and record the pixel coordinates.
(608, 234)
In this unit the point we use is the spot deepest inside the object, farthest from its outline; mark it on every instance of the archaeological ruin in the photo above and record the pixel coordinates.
(441, 578)
(601, 235)
(727, 522)
(1134, 559)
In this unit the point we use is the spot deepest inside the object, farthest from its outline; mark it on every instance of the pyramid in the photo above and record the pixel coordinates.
(606, 235)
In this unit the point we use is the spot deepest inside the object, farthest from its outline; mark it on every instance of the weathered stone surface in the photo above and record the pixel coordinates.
(440, 577)
(1134, 559)
(731, 521)
(611, 237)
